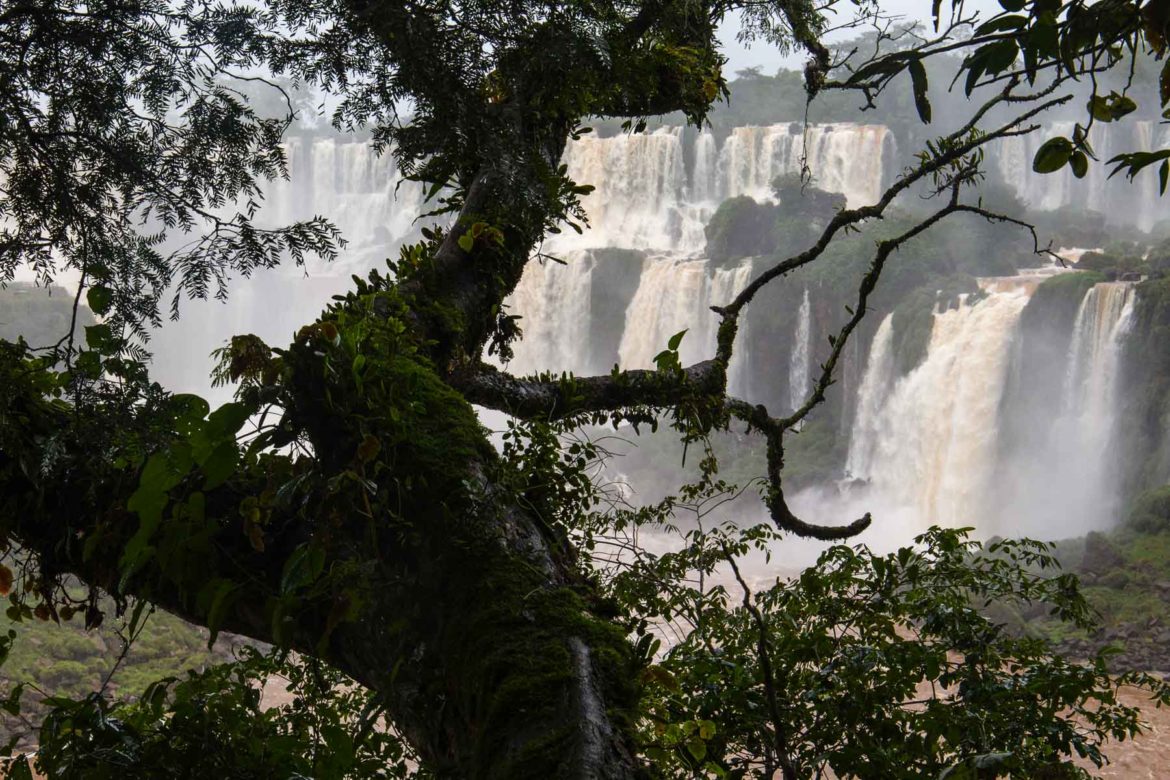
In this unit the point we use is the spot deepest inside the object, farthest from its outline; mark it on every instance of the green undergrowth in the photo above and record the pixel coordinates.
(65, 659)
(1125, 576)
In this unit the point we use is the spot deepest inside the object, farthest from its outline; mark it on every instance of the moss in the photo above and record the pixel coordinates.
(479, 607)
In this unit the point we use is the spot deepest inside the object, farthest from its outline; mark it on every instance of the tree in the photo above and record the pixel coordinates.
(348, 504)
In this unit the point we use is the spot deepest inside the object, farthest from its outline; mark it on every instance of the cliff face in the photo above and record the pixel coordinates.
(1145, 412)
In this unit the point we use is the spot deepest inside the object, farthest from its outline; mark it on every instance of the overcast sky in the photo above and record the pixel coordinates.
(740, 57)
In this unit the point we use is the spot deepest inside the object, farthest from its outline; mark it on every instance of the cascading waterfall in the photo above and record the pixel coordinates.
(640, 196)
(845, 158)
(929, 442)
(361, 192)
(676, 294)
(876, 382)
(554, 299)
(1061, 481)
(1135, 202)
(926, 441)
(798, 361)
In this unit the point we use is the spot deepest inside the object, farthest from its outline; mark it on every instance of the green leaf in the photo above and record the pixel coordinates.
(89, 364)
(919, 82)
(98, 337)
(1013, 5)
(697, 748)
(99, 299)
(221, 595)
(1164, 83)
(1052, 155)
(1163, 175)
(303, 566)
(220, 464)
(227, 420)
(1079, 164)
(675, 340)
(466, 241)
(1123, 105)
(1098, 108)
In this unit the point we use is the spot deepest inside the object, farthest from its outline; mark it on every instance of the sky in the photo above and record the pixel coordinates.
(769, 60)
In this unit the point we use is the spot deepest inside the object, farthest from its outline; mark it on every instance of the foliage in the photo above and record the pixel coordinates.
(1150, 512)
(739, 228)
(869, 665)
(122, 126)
(213, 723)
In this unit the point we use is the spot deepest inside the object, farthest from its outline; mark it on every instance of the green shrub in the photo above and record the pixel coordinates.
(1150, 513)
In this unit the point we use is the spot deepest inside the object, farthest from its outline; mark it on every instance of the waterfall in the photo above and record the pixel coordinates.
(1061, 478)
(703, 184)
(845, 158)
(871, 395)
(798, 368)
(345, 181)
(554, 302)
(359, 191)
(639, 199)
(676, 294)
(929, 443)
(1136, 202)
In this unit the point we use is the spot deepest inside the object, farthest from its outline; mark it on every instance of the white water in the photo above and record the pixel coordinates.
(1134, 202)
(1064, 481)
(876, 383)
(798, 360)
(676, 294)
(928, 442)
(845, 158)
(554, 300)
(925, 443)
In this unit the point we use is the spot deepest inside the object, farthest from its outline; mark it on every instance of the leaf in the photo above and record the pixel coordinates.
(919, 82)
(1123, 105)
(369, 448)
(1163, 175)
(99, 299)
(89, 364)
(98, 337)
(227, 420)
(222, 597)
(1079, 164)
(1052, 155)
(697, 748)
(220, 464)
(6, 580)
(1013, 5)
(675, 340)
(303, 566)
(466, 242)
(1098, 107)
